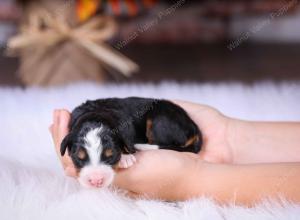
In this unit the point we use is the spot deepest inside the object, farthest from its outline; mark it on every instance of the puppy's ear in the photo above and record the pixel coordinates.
(89, 116)
(66, 143)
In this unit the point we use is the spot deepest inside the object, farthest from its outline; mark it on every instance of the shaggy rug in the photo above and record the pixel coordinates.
(33, 186)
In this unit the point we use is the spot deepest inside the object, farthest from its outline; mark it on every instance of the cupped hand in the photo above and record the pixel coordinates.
(59, 129)
(215, 128)
(160, 174)
(156, 174)
(170, 175)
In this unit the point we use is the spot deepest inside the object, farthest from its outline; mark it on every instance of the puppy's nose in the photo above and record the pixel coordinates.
(96, 180)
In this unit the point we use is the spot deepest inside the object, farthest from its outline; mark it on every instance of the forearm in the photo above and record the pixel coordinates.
(245, 184)
(265, 142)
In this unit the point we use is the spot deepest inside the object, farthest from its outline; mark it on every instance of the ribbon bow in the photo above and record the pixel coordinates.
(45, 31)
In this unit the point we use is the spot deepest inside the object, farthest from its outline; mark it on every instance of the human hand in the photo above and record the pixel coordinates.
(171, 175)
(59, 129)
(214, 126)
(215, 129)
(161, 174)
(157, 174)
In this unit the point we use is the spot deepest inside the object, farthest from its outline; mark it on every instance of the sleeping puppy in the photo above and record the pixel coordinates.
(105, 133)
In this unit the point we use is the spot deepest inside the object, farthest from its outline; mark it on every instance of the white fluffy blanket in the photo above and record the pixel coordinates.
(32, 184)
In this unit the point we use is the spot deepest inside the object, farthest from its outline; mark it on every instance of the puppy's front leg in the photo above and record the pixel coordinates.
(126, 161)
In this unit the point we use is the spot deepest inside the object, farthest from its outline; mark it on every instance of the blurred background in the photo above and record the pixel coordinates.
(56, 42)
(240, 57)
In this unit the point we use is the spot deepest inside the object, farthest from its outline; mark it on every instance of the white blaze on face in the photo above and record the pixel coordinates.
(93, 145)
(95, 171)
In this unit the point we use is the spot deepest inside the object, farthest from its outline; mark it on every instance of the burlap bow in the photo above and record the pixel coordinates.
(45, 31)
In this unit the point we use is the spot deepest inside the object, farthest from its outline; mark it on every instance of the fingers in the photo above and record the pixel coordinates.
(64, 118)
(71, 171)
(186, 105)
(192, 107)
(59, 129)
(53, 126)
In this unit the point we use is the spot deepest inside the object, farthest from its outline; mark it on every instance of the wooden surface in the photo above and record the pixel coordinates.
(199, 63)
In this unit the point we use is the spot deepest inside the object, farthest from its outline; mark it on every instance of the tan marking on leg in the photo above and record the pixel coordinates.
(149, 133)
(191, 141)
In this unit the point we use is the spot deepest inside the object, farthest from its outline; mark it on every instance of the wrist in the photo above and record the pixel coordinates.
(194, 182)
(215, 181)
(239, 133)
(233, 133)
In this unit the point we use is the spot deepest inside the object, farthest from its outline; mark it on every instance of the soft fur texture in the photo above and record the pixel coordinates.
(105, 133)
(33, 186)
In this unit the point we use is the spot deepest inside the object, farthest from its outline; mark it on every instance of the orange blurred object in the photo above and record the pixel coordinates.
(87, 8)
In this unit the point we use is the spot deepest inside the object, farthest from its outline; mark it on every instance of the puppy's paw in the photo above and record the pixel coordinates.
(127, 160)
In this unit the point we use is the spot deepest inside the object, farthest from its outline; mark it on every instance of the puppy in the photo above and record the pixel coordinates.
(105, 133)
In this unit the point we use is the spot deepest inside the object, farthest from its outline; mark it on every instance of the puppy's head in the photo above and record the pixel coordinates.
(94, 150)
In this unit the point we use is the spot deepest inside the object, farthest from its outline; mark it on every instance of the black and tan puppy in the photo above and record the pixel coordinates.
(105, 133)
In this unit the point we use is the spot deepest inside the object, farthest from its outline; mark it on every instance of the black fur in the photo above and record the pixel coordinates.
(125, 123)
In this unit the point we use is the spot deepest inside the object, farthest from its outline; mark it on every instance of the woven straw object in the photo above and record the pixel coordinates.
(55, 49)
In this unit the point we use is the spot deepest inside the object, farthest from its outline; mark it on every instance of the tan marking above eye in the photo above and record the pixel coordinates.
(81, 154)
(191, 141)
(108, 152)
